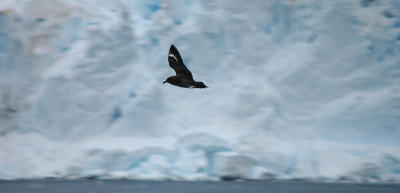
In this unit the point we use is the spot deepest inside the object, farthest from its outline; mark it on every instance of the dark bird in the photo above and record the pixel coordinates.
(183, 77)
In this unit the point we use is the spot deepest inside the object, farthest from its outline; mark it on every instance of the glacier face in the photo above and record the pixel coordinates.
(298, 89)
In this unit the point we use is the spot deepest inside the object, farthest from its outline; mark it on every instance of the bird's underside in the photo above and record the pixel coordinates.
(182, 81)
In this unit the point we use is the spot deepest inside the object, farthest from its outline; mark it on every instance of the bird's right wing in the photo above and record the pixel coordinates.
(176, 63)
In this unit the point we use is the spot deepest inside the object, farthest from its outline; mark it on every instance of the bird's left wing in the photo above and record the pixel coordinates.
(176, 62)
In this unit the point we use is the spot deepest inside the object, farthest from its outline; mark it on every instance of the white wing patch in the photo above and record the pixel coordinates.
(173, 56)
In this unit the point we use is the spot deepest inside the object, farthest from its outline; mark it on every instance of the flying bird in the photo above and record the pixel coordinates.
(183, 77)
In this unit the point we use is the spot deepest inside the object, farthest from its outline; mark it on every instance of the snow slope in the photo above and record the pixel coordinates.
(297, 89)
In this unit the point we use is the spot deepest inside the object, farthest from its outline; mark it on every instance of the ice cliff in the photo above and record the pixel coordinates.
(298, 89)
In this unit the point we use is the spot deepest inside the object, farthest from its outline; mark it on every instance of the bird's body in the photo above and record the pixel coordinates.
(183, 77)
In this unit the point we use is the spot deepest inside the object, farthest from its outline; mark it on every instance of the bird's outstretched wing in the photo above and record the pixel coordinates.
(176, 62)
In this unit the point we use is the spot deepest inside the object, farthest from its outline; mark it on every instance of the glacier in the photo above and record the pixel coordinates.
(298, 89)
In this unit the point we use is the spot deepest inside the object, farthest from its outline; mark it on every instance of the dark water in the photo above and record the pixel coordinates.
(126, 186)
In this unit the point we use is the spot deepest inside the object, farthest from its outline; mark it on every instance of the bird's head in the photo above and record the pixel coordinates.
(168, 80)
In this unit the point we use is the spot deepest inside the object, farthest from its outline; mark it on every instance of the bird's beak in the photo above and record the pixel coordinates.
(164, 82)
